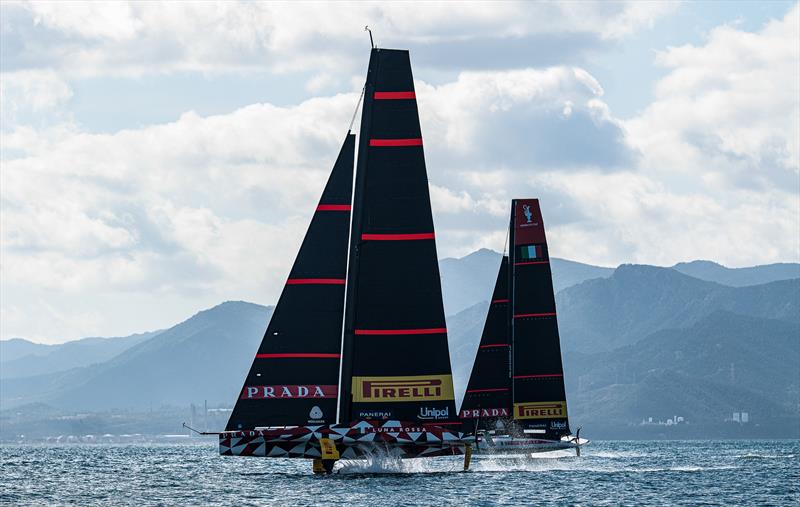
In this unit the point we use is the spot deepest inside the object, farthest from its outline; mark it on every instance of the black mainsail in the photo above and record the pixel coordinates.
(488, 395)
(538, 395)
(294, 377)
(396, 363)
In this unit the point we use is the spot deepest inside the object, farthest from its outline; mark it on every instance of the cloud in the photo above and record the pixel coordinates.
(727, 113)
(523, 119)
(179, 215)
(219, 203)
(135, 38)
(30, 93)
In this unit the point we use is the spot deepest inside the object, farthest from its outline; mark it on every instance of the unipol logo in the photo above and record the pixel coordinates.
(558, 425)
(289, 392)
(526, 210)
(434, 413)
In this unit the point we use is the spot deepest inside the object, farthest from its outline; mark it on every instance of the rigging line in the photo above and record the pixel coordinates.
(358, 104)
(505, 242)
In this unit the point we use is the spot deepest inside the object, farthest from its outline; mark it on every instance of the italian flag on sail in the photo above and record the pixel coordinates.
(530, 252)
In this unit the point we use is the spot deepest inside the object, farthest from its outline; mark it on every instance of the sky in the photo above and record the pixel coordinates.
(158, 158)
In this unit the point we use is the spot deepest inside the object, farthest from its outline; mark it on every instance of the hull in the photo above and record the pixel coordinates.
(506, 444)
(358, 440)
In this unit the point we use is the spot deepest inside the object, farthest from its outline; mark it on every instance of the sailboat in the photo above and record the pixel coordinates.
(355, 358)
(515, 400)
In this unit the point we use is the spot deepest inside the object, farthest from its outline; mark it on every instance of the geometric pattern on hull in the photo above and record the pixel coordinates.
(362, 439)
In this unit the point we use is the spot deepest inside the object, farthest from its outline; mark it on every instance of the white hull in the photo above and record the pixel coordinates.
(505, 444)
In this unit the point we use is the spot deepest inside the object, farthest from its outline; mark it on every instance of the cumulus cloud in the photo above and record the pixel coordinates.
(186, 213)
(213, 203)
(727, 112)
(87, 38)
(30, 93)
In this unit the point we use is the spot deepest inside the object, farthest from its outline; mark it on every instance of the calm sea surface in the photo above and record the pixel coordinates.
(608, 473)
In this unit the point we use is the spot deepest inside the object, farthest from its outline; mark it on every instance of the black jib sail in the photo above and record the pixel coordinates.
(488, 396)
(294, 377)
(396, 363)
(539, 399)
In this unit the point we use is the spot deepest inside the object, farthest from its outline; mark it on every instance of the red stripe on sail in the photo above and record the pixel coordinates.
(494, 345)
(298, 355)
(498, 301)
(333, 207)
(487, 390)
(394, 95)
(396, 142)
(551, 314)
(315, 281)
(540, 376)
(430, 330)
(398, 237)
(532, 262)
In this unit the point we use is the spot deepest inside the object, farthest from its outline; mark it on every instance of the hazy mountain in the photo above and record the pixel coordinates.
(723, 363)
(642, 342)
(603, 314)
(568, 273)
(470, 279)
(464, 333)
(204, 357)
(21, 358)
(15, 348)
(739, 277)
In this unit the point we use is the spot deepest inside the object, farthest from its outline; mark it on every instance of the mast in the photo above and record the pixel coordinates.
(345, 395)
(294, 375)
(396, 363)
(538, 393)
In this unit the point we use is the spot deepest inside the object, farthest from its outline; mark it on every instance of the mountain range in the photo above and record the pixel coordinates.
(638, 341)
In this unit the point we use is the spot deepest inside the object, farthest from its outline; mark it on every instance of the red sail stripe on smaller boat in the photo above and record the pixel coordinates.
(396, 142)
(540, 376)
(315, 281)
(550, 314)
(498, 301)
(398, 237)
(298, 355)
(430, 330)
(394, 95)
(494, 345)
(333, 207)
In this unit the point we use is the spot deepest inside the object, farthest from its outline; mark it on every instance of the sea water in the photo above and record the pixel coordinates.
(608, 473)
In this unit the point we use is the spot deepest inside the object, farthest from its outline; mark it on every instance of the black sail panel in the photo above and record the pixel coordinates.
(488, 396)
(539, 398)
(294, 377)
(396, 363)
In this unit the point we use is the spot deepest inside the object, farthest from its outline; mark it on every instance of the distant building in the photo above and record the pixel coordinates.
(740, 417)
